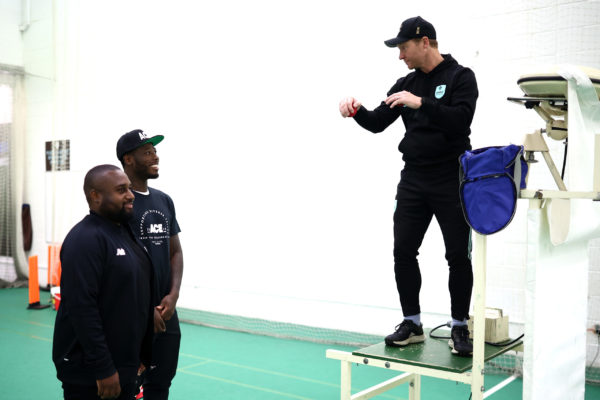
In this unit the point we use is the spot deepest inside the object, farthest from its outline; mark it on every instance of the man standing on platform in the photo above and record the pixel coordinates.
(156, 226)
(104, 325)
(437, 103)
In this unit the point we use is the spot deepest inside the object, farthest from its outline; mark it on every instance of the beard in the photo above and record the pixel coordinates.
(120, 216)
(124, 216)
(143, 172)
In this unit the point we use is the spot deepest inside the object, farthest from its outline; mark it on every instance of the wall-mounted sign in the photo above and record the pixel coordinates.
(58, 155)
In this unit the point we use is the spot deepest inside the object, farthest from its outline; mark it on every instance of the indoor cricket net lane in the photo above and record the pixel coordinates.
(213, 364)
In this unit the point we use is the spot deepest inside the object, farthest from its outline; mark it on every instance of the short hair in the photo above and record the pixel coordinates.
(92, 177)
(122, 159)
(432, 42)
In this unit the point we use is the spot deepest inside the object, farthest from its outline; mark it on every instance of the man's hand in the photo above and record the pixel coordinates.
(159, 324)
(349, 106)
(167, 306)
(403, 99)
(109, 388)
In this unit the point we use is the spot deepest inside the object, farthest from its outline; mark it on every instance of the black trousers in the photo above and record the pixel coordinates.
(165, 355)
(420, 196)
(90, 392)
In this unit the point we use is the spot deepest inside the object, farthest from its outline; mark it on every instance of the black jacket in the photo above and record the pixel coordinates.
(438, 132)
(105, 320)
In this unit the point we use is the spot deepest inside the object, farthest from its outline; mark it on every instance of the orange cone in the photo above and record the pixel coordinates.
(54, 267)
(34, 285)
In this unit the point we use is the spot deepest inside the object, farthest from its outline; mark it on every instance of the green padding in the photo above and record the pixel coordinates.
(433, 353)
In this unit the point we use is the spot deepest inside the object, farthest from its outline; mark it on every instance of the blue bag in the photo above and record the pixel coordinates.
(490, 181)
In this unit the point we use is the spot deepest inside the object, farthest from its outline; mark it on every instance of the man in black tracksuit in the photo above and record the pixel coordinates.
(436, 102)
(104, 325)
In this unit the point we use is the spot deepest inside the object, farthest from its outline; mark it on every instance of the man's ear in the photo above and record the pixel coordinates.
(127, 159)
(95, 197)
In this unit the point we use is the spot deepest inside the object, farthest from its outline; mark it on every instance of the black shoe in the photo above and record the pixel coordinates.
(460, 342)
(407, 332)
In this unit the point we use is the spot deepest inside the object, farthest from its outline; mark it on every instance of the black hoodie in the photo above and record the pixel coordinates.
(438, 132)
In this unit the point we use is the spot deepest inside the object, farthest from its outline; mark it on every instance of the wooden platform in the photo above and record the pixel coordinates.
(433, 353)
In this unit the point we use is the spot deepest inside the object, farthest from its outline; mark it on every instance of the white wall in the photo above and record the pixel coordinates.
(39, 48)
(593, 305)
(11, 51)
(285, 207)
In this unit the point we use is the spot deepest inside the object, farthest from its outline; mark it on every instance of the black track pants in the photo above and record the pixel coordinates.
(90, 392)
(165, 355)
(420, 196)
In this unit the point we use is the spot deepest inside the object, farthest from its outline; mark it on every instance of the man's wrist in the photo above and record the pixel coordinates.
(426, 103)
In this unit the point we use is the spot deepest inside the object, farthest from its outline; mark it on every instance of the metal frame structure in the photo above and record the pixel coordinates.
(546, 107)
(412, 373)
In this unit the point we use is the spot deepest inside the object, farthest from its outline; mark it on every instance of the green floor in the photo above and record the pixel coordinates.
(213, 364)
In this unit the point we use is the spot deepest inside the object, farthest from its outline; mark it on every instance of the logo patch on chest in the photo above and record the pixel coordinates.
(154, 227)
(440, 91)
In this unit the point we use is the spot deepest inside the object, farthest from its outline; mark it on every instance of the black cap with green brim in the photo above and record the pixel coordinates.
(134, 139)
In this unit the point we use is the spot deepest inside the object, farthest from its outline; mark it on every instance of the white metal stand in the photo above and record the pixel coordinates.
(412, 373)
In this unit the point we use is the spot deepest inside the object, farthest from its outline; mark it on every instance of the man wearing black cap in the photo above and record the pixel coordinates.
(436, 102)
(156, 225)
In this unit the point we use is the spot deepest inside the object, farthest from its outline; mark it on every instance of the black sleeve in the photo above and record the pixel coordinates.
(82, 261)
(146, 350)
(457, 115)
(381, 117)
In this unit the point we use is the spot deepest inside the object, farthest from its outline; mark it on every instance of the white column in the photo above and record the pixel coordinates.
(556, 312)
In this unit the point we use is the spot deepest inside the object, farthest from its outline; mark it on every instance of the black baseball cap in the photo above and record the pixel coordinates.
(412, 28)
(134, 139)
